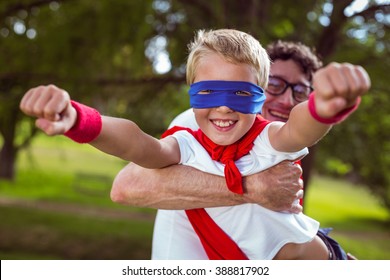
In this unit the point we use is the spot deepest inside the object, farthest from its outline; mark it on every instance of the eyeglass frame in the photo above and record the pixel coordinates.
(290, 85)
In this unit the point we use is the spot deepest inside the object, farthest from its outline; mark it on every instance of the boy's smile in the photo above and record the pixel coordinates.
(223, 124)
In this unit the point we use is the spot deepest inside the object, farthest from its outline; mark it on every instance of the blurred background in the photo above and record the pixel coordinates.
(127, 58)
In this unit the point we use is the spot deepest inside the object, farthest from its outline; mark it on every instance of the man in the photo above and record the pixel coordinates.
(180, 187)
(293, 67)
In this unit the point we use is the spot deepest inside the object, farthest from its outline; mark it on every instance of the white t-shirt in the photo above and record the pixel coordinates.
(259, 232)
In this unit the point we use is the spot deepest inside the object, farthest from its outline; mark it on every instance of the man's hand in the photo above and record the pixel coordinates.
(52, 108)
(277, 188)
(337, 87)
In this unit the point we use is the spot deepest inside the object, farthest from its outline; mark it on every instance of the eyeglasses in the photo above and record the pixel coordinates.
(278, 86)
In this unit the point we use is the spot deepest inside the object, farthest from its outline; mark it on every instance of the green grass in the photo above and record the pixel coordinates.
(360, 223)
(63, 173)
(35, 234)
(337, 202)
(57, 171)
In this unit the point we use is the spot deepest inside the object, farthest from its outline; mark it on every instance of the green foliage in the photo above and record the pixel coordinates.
(363, 146)
(104, 52)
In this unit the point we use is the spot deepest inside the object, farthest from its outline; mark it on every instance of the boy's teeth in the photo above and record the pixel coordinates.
(223, 123)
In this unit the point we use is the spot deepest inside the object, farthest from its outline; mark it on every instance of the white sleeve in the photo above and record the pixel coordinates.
(192, 153)
(185, 119)
(264, 148)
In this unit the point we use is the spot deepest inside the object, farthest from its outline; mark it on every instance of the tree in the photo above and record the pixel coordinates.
(340, 31)
(77, 45)
(107, 52)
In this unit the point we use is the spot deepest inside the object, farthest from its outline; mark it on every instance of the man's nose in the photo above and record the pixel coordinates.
(287, 97)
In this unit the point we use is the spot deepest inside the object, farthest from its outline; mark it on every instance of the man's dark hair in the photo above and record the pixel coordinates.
(307, 58)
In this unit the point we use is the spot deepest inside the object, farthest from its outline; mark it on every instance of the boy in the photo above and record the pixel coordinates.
(225, 69)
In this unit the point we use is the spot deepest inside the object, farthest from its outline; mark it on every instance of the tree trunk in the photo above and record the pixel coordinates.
(7, 160)
(307, 164)
(332, 34)
(8, 151)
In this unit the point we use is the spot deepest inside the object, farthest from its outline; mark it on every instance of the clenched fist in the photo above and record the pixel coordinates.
(52, 108)
(338, 87)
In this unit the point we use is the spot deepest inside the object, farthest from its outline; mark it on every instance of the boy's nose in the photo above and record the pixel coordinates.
(224, 109)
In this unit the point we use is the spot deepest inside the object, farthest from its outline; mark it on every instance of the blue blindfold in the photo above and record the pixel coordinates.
(243, 97)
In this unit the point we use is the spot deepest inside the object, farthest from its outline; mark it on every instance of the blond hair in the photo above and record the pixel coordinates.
(234, 46)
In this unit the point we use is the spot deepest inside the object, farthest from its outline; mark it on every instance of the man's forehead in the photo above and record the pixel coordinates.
(290, 70)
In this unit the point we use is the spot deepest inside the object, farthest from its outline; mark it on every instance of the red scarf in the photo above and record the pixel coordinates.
(217, 244)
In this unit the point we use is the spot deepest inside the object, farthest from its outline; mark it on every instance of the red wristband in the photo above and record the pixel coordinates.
(341, 116)
(88, 124)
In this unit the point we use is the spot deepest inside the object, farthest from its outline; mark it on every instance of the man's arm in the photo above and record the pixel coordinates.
(183, 187)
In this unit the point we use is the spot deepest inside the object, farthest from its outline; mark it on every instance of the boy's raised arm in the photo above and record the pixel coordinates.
(57, 115)
(124, 139)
